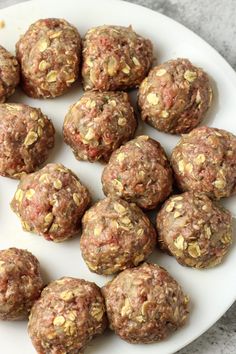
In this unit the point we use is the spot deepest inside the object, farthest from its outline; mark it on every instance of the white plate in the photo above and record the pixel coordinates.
(212, 291)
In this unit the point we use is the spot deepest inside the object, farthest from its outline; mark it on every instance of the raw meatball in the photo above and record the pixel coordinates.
(116, 235)
(145, 304)
(139, 172)
(98, 124)
(115, 58)
(20, 283)
(9, 74)
(49, 54)
(193, 229)
(175, 96)
(51, 202)
(69, 313)
(26, 138)
(205, 161)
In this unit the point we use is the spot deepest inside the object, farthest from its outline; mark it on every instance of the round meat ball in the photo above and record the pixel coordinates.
(49, 54)
(10, 74)
(98, 124)
(69, 313)
(205, 161)
(139, 172)
(115, 58)
(175, 96)
(20, 283)
(116, 235)
(51, 202)
(193, 229)
(26, 138)
(145, 304)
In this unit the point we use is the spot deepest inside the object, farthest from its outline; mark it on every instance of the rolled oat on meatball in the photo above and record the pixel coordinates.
(114, 58)
(49, 53)
(69, 313)
(145, 304)
(116, 235)
(51, 202)
(26, 138)
(175, 96)
(98, 124)
(139, 172)
(9, 74)
(205, 161)
(195, 230)
(20, 283)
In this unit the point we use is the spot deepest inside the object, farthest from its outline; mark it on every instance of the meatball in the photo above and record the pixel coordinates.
(116, 235)
(10, 74)
(139, 172)
(26, 138)
(205, 161)
(98, 124)
(51, 202)
(115, 58)
(193, 229)
(20, 283)
(49, 54)
(175, 96)
(145, 304)
(69, 313)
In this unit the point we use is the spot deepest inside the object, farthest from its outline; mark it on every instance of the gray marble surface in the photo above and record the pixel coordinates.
(213, 20)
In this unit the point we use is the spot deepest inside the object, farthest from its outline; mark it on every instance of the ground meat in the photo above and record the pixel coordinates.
(139, 172)
(116, 235)
(196, 231)
(20, 283)
(9, 74)
(26, 138)
(49, 54)
(175, 96)
(205, 161)
(98, 124)
(145, 304)
(51, 202)
(115, 58)
(69, 313)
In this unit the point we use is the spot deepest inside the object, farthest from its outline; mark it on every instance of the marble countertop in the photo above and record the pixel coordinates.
(213, 20)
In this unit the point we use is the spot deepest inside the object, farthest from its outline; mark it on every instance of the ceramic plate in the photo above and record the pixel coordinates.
(211, 291)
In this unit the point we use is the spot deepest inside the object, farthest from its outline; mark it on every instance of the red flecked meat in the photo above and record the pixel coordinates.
(9, 74)
(51, 202)
(139, 172)
(115, 58)
(98, 124)
(20, 283)
(49, 55)
(175, 96)
(145, 304)
(69, 313)
(26, 138)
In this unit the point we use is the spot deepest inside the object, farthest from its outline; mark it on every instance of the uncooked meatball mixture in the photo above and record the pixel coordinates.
(115, 235)
(115, 58)
(20, 283)
(26, 138)
(205, 161)
(175, 96)
(195, 230)
(9, 74)
(51, 202)
(139, 172)
(145, 304)
(98, 124)
(69, 313)
(49, 55)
